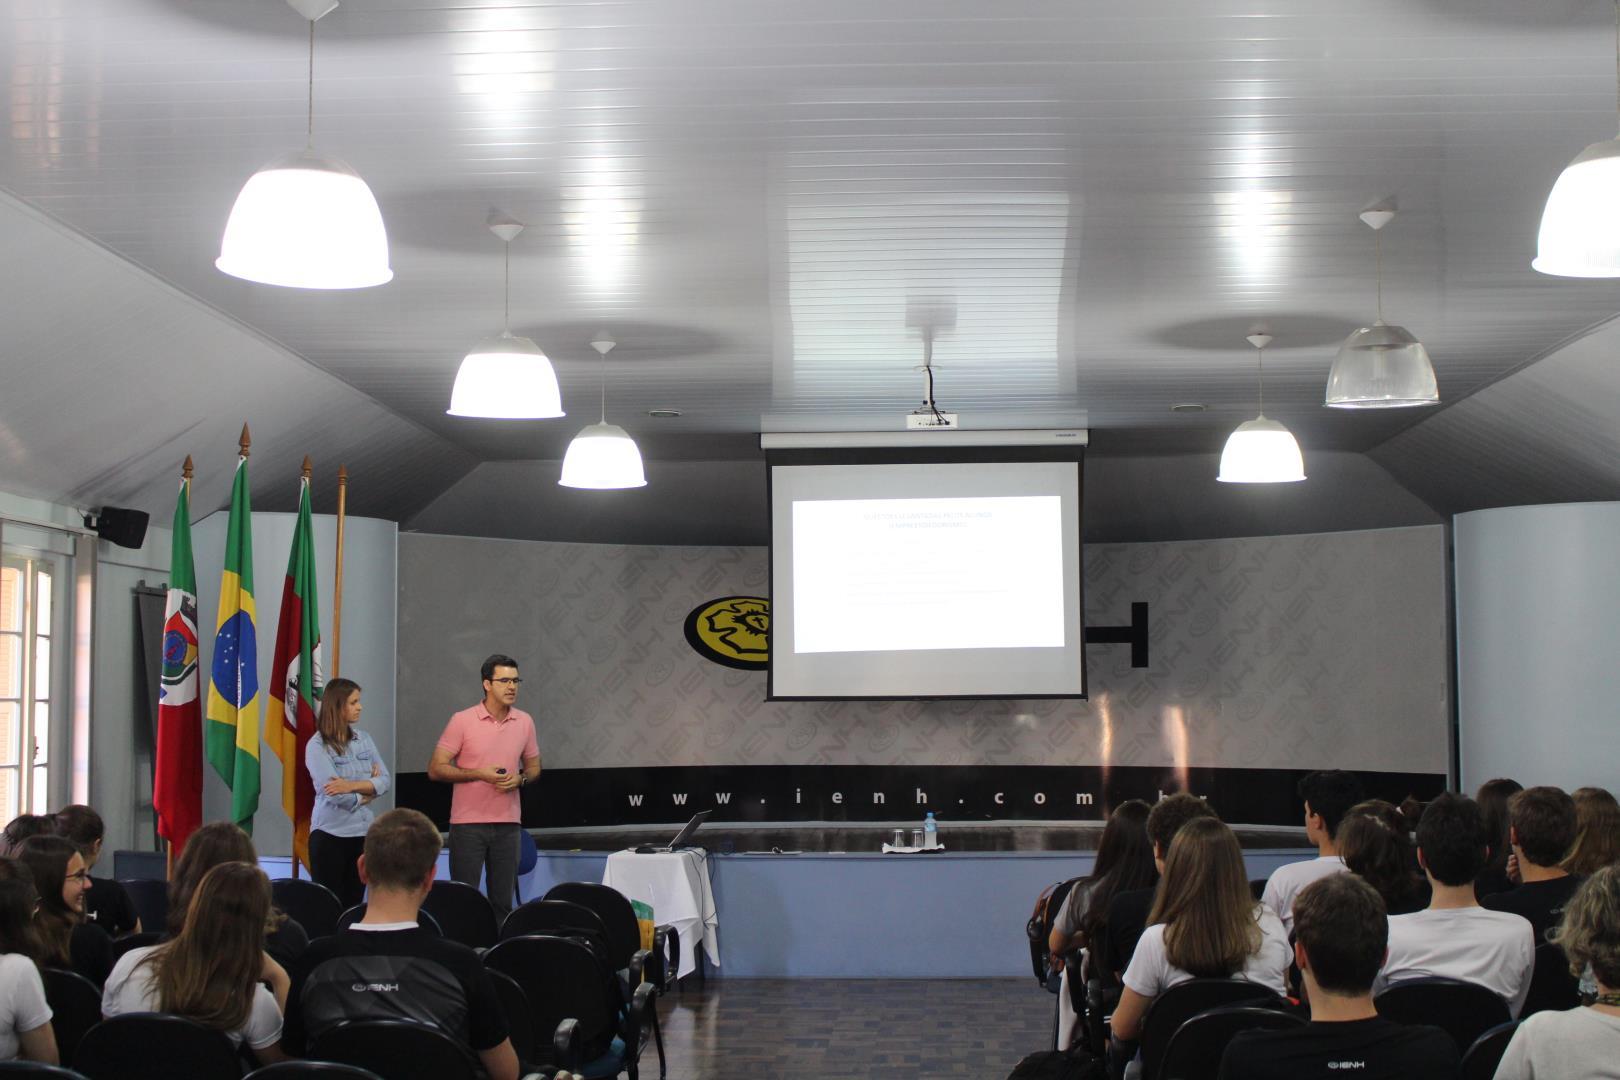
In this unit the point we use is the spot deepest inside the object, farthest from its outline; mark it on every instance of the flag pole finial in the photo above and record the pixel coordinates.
(309, 467)
(186, 469)
(244, 442)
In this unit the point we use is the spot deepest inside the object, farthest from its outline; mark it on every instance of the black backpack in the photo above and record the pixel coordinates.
(1058, 1065)
(1039, 927)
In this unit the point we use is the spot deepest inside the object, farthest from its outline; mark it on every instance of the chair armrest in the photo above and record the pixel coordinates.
(667, 949)
(638, 967)
(641, 1011)
(565, 1043)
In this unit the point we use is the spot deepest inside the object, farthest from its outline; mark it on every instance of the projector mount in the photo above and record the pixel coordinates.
(927, 416)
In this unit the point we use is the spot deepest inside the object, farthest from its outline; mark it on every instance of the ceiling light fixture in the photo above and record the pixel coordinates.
(506, 377)
(1580, 225)
(1381, 366)
(603, 456)
(1261, 451)
(306, 221)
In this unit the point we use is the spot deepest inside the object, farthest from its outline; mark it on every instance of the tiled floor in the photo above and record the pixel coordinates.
(796, 1029)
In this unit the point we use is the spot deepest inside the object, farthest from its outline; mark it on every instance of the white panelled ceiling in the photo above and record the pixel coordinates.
(770, 202)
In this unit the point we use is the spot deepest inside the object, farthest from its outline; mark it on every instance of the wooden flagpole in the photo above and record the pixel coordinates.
(337, 576)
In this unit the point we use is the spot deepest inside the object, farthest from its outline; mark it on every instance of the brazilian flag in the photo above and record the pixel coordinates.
(233, 683)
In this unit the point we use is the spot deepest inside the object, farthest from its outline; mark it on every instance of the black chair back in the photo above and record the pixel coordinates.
(155, 1046)
(519, 1018)
(151, 900)
(311, 1070)
(1196, 1047)
(396, 1050)
(563, 979)
(358, 912)
(1180, 1003)
(610, 905)
(1552, 987)
(75, 1009)
(122, 945)
(462, 913)
(314, 906)
(1464, 1010)
(19, 1069)
(559, 918)
(1481, 1060)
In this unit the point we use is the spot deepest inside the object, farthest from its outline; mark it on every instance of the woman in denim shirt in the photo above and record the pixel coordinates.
(348, 774)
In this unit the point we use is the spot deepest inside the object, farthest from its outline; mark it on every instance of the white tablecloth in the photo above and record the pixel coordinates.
(676, 884)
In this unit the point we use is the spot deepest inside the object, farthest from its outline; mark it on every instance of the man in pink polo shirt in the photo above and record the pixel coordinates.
(488, 752)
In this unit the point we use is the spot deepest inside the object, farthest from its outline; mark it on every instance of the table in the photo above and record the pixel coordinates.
(676, 884)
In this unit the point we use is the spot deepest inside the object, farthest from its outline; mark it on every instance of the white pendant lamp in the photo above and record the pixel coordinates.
(1580, 225)
(306, 221)
(1261, 451)
(603, 456)
(506, 377)
(1381, 366)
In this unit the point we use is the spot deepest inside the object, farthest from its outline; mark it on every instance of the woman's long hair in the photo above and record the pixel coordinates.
(332, 728)
(1590, 930)
(1124, 862)
(47, 859)
(1493, 796)
(210, 970)
(1597, 832)
(1376, 846)
(1204, 902)
(18, 899)
(214, 844)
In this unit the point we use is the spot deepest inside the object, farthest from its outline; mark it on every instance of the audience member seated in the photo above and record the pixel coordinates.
(1340, 932)
(1128, 911)
(1541, 829)
(105, 902)
(1493, 796)
(215, 969)
(20, 828)
(1582, 1042)
(67, 940)
(1597, 832)
(1375, 843)
(1454, 937)
(1205, 923)
(25, 1017)
(214, 844)
(1327, 796)
(1124, 863)
(429, 979)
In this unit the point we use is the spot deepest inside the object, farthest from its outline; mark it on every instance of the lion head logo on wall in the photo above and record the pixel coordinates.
(733, 630)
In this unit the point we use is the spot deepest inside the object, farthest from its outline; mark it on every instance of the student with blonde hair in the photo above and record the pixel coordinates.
(1584, 1041)
(1597, 832)
(1205, 923)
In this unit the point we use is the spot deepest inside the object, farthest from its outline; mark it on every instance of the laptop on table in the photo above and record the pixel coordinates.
(682, 838)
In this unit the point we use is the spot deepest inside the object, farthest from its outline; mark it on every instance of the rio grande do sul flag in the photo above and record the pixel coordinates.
(177, 784)
(295, 690)
(233, 686)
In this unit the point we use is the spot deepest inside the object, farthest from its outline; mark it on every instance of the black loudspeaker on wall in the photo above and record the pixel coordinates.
(117, 525)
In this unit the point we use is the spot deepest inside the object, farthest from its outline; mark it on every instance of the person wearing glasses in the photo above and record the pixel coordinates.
(67, 939)
(488, 752)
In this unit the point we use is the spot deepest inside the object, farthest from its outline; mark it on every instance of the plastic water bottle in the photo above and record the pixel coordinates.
(930, 831)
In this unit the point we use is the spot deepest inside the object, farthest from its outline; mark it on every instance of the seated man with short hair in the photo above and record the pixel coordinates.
(1340, 933)
(386, 967)
(1328, 796)
(1541, 828)
(1128, 911)
(1454, 937)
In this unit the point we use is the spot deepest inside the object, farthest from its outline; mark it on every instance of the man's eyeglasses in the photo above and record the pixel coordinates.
(513, 681)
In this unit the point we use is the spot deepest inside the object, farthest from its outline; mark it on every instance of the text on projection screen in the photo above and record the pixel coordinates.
(883, 575)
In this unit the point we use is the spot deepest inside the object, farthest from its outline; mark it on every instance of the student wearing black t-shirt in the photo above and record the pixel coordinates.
(1541, 828)
(1341, 934)
(106, 903)
(386, 967)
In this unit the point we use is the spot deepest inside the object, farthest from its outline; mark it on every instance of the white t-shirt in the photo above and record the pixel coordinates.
(1554, 1045)
(1495, 949)
(1286, 882)
(22, 1002)
(1151, 973)
(130, 989)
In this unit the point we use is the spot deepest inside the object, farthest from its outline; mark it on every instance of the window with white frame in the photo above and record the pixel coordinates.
(27, 589)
